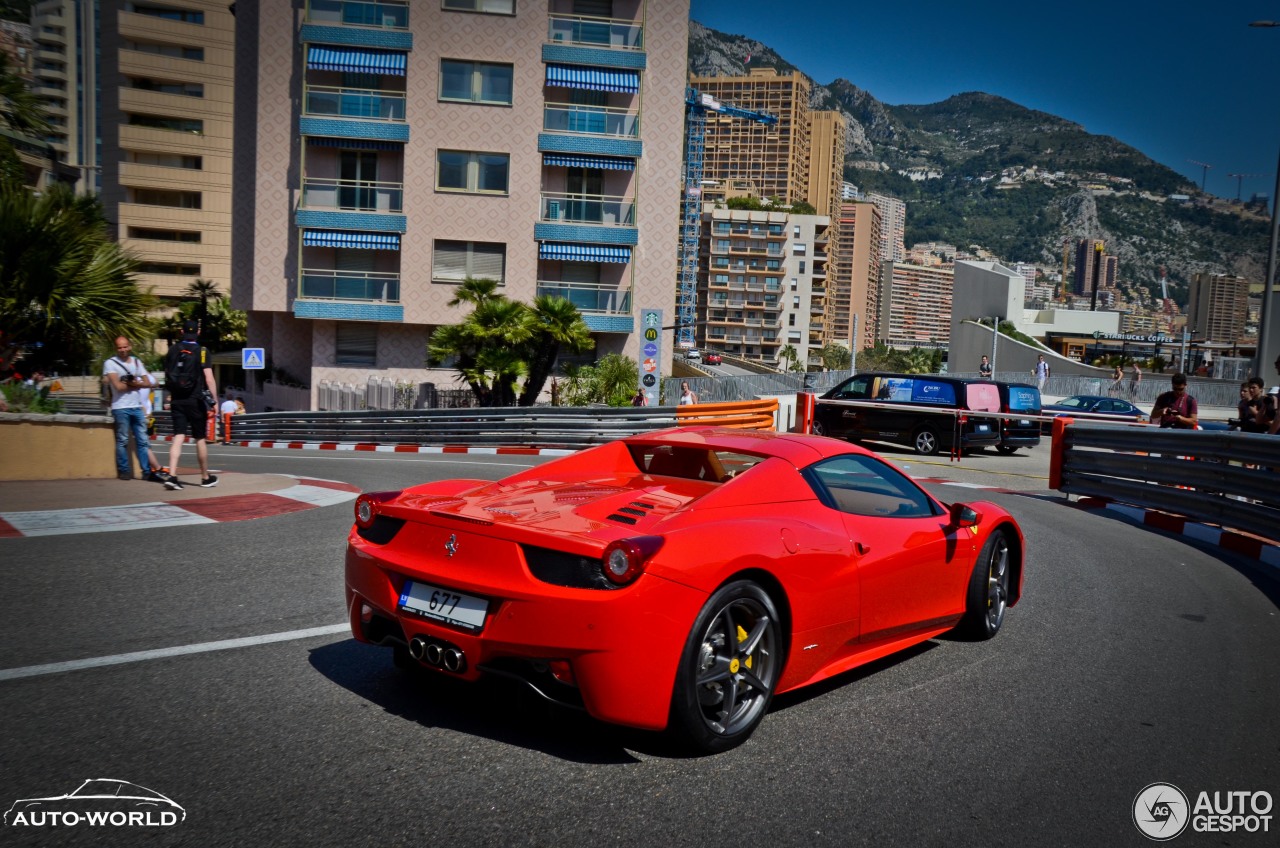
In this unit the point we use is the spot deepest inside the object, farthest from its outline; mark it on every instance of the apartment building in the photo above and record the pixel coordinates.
(1091, 265)
(1217, 307)
(167, 70)
(388, 150)
(915, 305)
(65, 78)
(855, 279)
(827, 135)
(762, 285)
(893, 212)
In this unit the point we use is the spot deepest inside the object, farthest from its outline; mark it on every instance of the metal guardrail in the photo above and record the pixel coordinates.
(1224, 478)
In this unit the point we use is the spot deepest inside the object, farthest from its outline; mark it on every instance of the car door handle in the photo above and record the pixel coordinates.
(861, 548)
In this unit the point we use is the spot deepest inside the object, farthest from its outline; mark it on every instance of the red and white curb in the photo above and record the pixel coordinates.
(376, 448)
(308, 493)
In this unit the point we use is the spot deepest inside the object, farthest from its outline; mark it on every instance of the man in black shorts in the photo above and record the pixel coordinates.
(189, 381)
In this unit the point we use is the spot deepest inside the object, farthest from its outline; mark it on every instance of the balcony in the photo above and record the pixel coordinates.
(590, 120)
(588, 31)
(352, 195)
(588, 209)
(366, 286)
(379, 14)
(598, 298)
(361, 103)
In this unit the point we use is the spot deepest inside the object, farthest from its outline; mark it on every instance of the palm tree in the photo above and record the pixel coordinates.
(203, 290)
(836, 357)
(64, 286)
(558, 325)
(475, 291)
(788, 355)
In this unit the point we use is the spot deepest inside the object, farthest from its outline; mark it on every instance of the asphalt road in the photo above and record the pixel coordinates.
(1134, 658)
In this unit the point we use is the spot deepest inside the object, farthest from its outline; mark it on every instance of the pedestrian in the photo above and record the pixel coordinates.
(1134, 382)
(687, 397)
(1261, 414)
(1244, 410)
(189, 379)
(1117, 381)
(1176, 409)
(1040, 372)
(638, 399)
(984, 368)
(127, 379)
(240, 410)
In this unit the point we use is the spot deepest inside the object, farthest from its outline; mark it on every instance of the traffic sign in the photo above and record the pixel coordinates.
(253, 358)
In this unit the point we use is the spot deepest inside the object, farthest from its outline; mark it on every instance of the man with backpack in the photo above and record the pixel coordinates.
(189, 381)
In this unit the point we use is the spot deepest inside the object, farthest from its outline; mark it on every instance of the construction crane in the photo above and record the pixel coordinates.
(697, 105)
(1205, 174)
(1066, 258)
(1240, 182)
(1168, 302)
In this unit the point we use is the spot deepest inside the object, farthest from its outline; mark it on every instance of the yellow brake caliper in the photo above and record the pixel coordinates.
(742, 637)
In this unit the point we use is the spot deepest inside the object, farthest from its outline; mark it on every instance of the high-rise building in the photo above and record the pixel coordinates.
(893, 212)
(827, 132)
(1217, 307)
(168, 81)
(386, 151)
(774, 159)
(855, 279)
(915, 305)
(65, 71)
(762, 285)
(1089, 265)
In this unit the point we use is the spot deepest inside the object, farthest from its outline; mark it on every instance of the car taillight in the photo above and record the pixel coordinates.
(625, 559)
(367, 506)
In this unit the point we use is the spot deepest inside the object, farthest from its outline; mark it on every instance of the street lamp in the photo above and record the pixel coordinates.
(1264, 316)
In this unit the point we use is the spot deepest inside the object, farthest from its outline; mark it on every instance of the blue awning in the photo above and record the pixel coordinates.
(566, 160)
(359, 61)
(354, 143)
(339, 238)
(595, 79)
(583, 252)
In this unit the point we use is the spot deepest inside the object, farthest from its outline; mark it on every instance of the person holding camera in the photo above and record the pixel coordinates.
(129, 381)
(1176, 409)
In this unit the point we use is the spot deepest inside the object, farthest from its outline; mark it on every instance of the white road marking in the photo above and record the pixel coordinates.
(54, 522)
(178, 651)
(316, 495)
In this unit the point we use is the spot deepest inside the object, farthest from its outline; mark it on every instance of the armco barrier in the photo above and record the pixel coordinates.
(1224, 478)
(744, 415)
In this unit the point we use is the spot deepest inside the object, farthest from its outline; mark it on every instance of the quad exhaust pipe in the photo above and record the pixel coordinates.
(437, 654)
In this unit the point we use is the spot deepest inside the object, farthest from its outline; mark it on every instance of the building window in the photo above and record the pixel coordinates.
(355, 344)
(173, 51)
(458, 170)
(801, 266)
(186, 89)
(162, 122)
(152, 234)
(795, 284)
(475, 82)
(169, 13)
(798, 249)
(489, 7)
(455, 261)
(173, 268)
(164, 197)
(720, 228)
(796, 230)
(166, 160)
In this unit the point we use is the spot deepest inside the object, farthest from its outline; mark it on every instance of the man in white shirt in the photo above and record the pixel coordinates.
(129, 381)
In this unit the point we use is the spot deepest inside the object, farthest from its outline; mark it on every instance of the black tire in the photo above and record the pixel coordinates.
(987, 598)
(817, 429)
(925, 441)
(733, 656)
(1007, 450)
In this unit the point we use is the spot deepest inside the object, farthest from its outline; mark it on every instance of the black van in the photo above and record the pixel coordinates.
(1018, 432)
(919, 429)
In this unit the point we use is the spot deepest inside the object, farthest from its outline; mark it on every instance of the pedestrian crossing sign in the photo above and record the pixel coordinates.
(252, 358)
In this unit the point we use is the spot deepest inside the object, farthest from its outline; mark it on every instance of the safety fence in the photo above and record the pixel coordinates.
(538, 426)
(1221, 477)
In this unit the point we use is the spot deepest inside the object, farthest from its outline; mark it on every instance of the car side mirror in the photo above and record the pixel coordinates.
(963, 515)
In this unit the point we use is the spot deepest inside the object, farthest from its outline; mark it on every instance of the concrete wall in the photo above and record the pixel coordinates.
(56, 447)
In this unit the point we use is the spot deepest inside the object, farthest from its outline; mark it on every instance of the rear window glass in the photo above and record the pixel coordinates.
(691, 463)
(1024, 399)
(983, 397)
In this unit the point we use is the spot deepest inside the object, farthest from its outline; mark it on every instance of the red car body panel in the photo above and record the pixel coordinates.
(849, 588)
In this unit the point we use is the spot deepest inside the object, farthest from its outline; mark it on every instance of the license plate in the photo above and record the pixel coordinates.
(445, 605)
(982, 428)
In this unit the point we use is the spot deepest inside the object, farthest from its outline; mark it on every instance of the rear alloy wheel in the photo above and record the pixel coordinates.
(817, 429)
(988, 594)
(925, 441)
(728, 669)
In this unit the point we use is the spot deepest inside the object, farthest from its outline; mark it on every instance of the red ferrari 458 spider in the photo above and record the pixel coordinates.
(678, 579)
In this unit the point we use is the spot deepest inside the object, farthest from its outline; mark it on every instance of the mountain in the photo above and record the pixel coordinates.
(1016, 181)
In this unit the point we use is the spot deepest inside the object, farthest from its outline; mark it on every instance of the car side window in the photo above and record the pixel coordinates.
(859, 388)
(863, 485)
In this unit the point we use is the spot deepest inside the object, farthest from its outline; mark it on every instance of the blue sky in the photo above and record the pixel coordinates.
(1178, 81)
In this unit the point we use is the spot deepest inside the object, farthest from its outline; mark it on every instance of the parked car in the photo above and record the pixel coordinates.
(1093, 405)
(677, 579)
(1018, 432)
(902, 420)
(713, 358)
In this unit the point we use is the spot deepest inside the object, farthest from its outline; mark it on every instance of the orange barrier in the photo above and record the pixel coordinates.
(742, 415)
(1056, 450)
(211, 426)
(226, 428)
(806, 404)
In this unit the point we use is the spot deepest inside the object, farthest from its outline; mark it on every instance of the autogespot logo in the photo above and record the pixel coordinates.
(101, 802)
(1160, 811)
